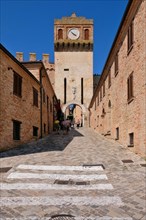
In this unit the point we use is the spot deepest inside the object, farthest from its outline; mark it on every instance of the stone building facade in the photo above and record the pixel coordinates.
(118, 106)
(27, 100)
(73, 48)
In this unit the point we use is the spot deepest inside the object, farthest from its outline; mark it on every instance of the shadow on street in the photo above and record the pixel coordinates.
(53, 142)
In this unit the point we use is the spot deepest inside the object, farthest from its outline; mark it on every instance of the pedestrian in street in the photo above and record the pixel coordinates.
(56, 126)
(66, 124)
(78, 123)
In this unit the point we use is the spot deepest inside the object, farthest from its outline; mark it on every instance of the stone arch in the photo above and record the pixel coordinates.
(64, 106)
(83, 110)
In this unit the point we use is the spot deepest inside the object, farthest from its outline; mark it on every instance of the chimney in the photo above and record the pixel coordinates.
(46, 58)
(32, 56)
(19, 56)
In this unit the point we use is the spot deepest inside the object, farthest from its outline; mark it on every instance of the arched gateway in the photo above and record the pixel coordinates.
(77, 111)
(73, 45)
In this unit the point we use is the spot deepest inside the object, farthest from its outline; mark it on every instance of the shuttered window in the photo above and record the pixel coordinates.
(16, 130)
(35, 97)
(130, 37)
(130, 94)
(103, 88)
(44, 96)
(101, 94)
(17, 84)
(35, 131)
(60, 34)
(86, 33)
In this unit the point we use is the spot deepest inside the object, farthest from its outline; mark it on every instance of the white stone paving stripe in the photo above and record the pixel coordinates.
(76, 218)
(44, 186)
(62, 200)
(62, 168)
(90, 177)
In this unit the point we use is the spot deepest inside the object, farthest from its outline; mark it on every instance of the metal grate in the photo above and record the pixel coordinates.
(71, 182)
(62, 217)
(143, 165)
(94, 165)
(62, 182)
(4, 169)
(127, 161)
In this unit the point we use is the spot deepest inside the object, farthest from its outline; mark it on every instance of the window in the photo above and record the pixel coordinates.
(109, 104)
(131, 140)
(35, 97)
(101, 94)
(86, 34)
(130, 37)
(16, 130)
(82, 91)
(66, 69)
(116, 64)
(95, 104)
(44, 128)
(109, 79)
(117, 133)
(130, 88)
(60, 34)
(47, 103)
(98, 99)
(97, 120)
(51, 107)
(104, 89)
(17, 84)
(35, 131)
(44, 96)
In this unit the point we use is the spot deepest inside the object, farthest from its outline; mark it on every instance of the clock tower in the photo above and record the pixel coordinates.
(73, 46)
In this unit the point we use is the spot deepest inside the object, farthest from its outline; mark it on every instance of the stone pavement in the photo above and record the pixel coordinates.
(81, 175)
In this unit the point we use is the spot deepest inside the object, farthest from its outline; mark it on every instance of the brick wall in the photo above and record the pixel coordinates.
(13, 107)
(115, 114)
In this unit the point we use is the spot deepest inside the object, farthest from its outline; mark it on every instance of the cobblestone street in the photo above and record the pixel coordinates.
(81, 174)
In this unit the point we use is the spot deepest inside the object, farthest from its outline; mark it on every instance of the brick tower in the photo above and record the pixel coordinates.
(73, 46)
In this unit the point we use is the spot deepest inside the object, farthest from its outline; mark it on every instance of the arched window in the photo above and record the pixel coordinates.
(86, 34)
(60, 34)
(109, 104)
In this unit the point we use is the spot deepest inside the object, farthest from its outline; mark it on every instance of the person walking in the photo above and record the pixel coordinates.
(78, 123)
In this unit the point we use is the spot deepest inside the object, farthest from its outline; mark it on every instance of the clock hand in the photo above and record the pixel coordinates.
(73, 33)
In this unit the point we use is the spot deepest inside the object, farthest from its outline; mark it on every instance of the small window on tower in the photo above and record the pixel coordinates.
(60, 34)
(66, 69)
(86, 34)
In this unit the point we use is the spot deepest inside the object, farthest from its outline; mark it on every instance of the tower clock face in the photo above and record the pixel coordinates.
(73, 34)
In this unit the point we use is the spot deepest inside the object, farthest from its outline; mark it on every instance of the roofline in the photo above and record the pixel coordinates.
(118, 31)
(112, 47)
(42, 64)
(19, 63)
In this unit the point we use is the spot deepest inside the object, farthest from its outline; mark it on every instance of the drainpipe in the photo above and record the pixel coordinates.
(41, 116)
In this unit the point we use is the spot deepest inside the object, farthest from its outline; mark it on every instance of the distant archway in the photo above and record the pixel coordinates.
(74, 110)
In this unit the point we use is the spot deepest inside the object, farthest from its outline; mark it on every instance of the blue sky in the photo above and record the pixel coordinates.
(28, 25)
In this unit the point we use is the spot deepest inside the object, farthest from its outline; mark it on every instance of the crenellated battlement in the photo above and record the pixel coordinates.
(32, 57)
